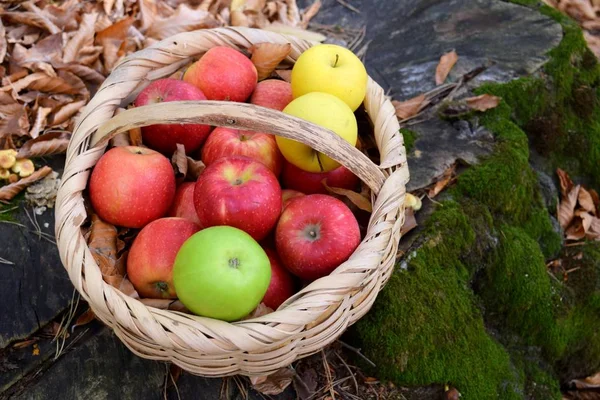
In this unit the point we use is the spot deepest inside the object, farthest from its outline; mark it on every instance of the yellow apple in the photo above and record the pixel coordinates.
(327, 111)
(331, 69)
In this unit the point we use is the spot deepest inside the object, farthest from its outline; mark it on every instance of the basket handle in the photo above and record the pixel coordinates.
(246, 117)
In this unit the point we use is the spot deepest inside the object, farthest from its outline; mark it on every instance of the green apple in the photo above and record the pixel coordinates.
(221, 272)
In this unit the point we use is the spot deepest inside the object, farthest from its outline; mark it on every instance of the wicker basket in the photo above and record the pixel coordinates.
(305, 323)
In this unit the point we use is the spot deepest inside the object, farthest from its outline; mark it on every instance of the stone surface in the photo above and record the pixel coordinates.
(35, 287)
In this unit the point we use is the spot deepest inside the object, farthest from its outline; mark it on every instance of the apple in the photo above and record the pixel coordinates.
(152, 254)
(183, 204)
(221, 272)
(288, 195)
(331, 69)
(223, 73)
(272, 93)
(131, 186)
(281, 286)
(315, 234)
(239, 192)
(225, 142)
(312, 182)
(327, 111)
(165, 137)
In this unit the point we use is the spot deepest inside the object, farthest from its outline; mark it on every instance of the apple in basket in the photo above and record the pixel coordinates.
(152, 254)
(223, 73)
(288, 195)
(239, 192)
(221, 272)
(315, 234)
(165, 137)
(281, 286)
(225, 142)
(183, 204)
(331, 69)
(295, 178)
(327, 111)
(272, 93)
(131, 186)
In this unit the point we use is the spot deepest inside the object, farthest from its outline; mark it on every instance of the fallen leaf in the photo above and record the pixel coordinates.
(36, 350)
(103, 246)
(184, 19)
(586, 201)
(356, 198)
(259, 311)
(179, 160)
(82, 71)
(175, 372)
(593, 232)
(596, 200)
(452, 394)
(13, 120)
(43, 18)
(370, 379)
(31, 19)
(63, 16)
(566, 209)
(409, 108)
(40, 121)
(576, 229)
(135, 136)
(8, 192)
(591, 382)
(275, 383)
(3, 43)
(147, 14)
(443, 181)
(84, 319)
(83, 38)
(66, 112)
(566, 184)
(194, 168)
(45, 51)
(285, 74)
(111, 39)
(267, 56)
(123, 284)
(165, 304)
(45, 145)
(444, 67)
(483, 102)
(24, 343)
(410, 221)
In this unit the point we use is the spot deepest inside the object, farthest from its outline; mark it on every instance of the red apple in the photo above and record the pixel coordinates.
(152, 254)
(281, 286)
(164, 137)
(131, 186)
(272, 93)
(183, 204)
(223, 73)
(239, 192)
(315, 234)
(288, 195)
(225, 142)
(295, 178)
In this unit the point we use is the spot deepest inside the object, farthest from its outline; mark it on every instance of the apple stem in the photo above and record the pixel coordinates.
(337, 57)
(319, 161)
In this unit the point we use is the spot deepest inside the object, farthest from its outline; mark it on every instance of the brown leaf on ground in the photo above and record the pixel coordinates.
(47, 50)
(586, 201)
(596, 200)
(165, 304)
(63, 83)
(179, 160)
(31, 19)
(591, 382)
(275, 383)
(63, 16)
(443, 181)
(259, 311)
(45, 145)
(84, 319)
(135, 136)
(355, 198)
(483, 102)
(267, 56)
(103, 245)
(123, 284)
(111, 39)
(184, 19)
(148, 14)
(444, 67)
(566, 209)
(82, 71)
(25, 343)
(13, 120)
(3, 43)
(40, 121)
(566, 184)
(576, 229)
(83, 38)
(410, 222)
(194, 168)
(285, 74)
(66, 112)
(593, 232)
(8, 192)
(409, 108)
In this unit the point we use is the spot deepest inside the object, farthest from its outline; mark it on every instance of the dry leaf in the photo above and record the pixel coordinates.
(40, 121)
(3, 43)
(409, 108)
(194, 168)
(147, 14)
(165, 304)
(591, 382)
(410, 221)
(483, 102)
(596, 200)
(83, 38)
(184, 19)
(103, 246)
(36, 350)
(443, 181)
(123, 284)
(84, 319)
(576, 229)
(24, 343)
(66, 112)
(82, 71)
(9, 191)
(356, 198)
(267, 56)
(309, 13)
(43, 18)
(179, 160)
(444, 67)
(47, 50)
(45, 145)
(135, 136)
(566, 209)
(586, 201)
(275, 383)
(32, 19)
(593, 232)
(111, 39)
(566, 184)
(63, 83)
(285, 74)
(13, 120)
(65, 16)
(259, 311)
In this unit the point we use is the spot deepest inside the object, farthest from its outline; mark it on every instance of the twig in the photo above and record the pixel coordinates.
(566, 245)
(350, 371)
(9, 209)
(357, 351)
(328, 374)
(5, 261)
(349, 6)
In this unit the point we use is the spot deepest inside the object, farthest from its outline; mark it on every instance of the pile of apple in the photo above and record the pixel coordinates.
(235, 238)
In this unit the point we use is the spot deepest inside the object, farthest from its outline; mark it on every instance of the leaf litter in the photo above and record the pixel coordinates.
(578, 210)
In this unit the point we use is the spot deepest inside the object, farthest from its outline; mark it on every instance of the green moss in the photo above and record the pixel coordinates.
(409, 138)
(539, 227)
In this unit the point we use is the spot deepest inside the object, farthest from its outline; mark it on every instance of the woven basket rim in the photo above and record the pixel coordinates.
(179, 337)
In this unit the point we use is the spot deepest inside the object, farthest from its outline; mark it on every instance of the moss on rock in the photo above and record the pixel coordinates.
(409, 138)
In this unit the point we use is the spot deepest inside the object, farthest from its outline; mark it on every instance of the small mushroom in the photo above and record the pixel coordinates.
(4, 173)
(13, 178)
(411, 201)
(24, 167)
(7, 158)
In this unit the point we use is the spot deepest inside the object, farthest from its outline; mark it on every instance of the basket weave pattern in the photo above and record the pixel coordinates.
(305, 323)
